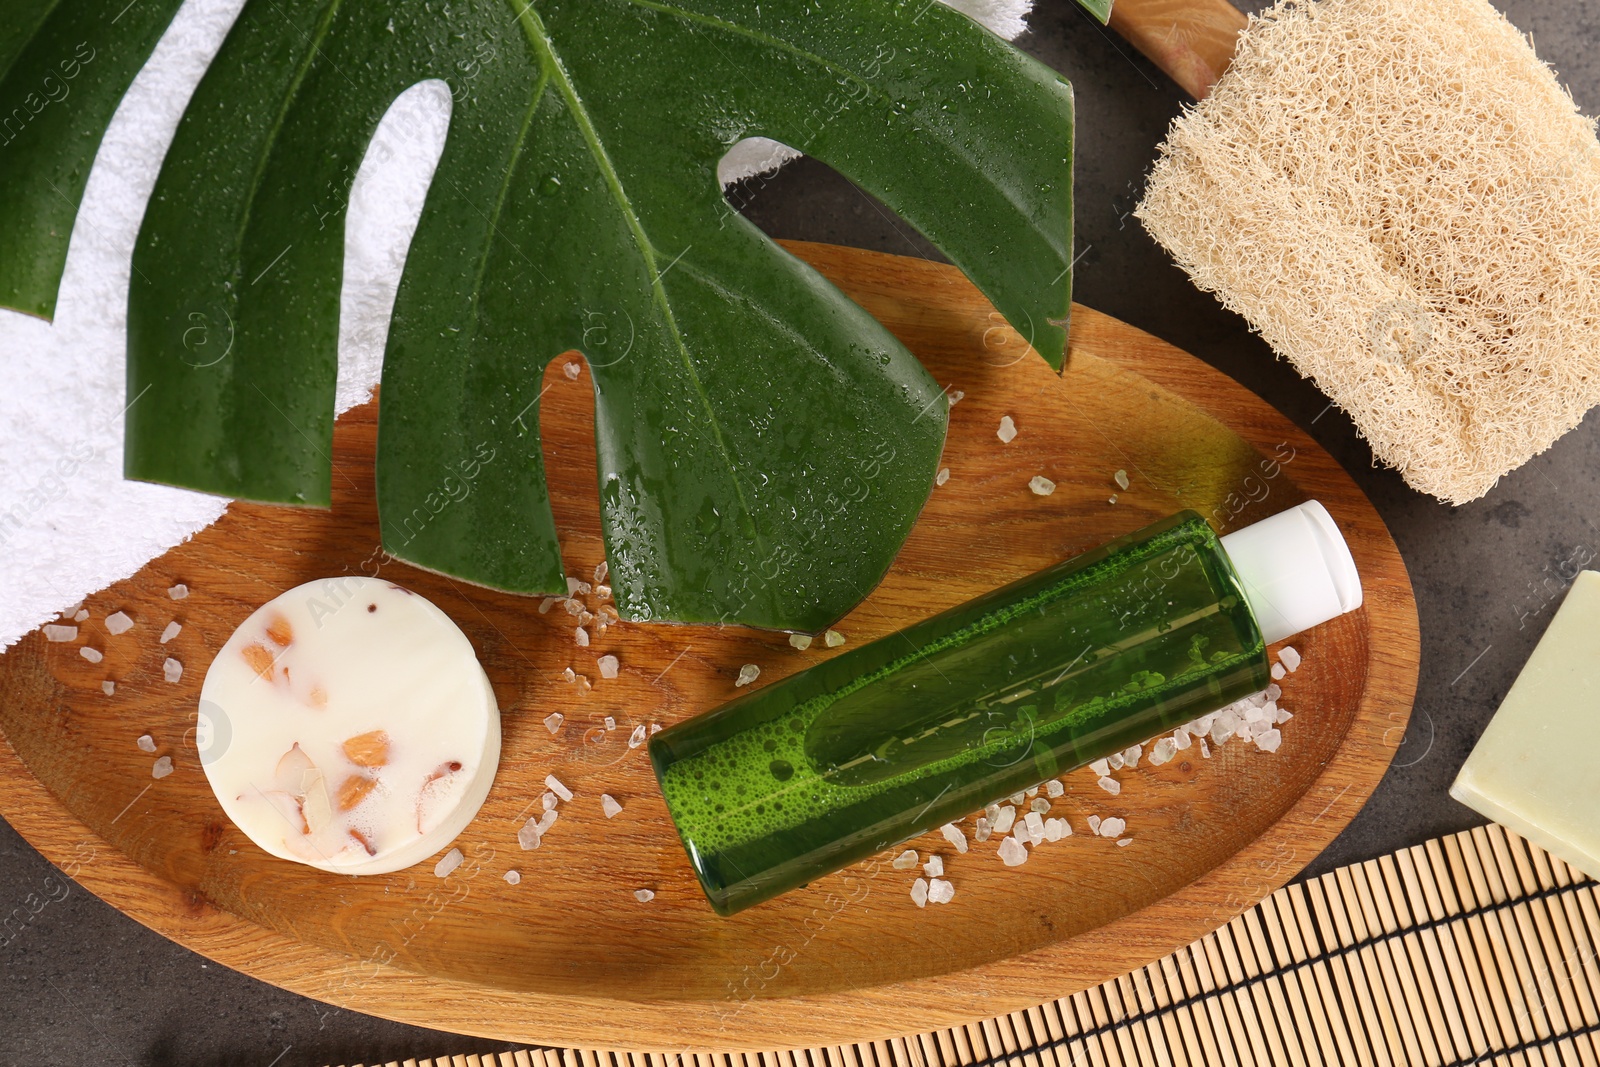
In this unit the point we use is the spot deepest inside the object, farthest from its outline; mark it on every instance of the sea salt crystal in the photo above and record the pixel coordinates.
(1259, 727)
(549, 602)
(833, 638)
(636, 738)
(171, 670)
(1100, 767)
(905, 861)
(982, 828)
(1094, 824)
(583, 637)
(1205, 749)
(1277, 671)
(1130, 757)
(513, 877)
(644, 896)
(1121, 478)
(572, 605)
(162, 768)
(952, 833)
(118, 622)
(1054, 788)
(547, 820)
(609, 805)
(1112, 499)
(108, 687)
(1163, 751)
(655, 728)
(1040, 804)
(1125, 842)
(58, 634)
(146, 743)
(1282, 717)
(1055, 829)
(528, 836)
(1007, 816)
(940, 891)
(601, 569)
(747, 674)
(611, 723)
(178, 592)
(934, 866)
(569, 675)
(1012, 854)
(942, 477)
(553, 721)
(1033, 791)
(93, 655)
(1110, 785)
(1041, 485)
(992, 811)
(919, 892)
(1112, 827)
(1270, 740)
(571, 369)
(586, 619)
(1224, 727)
(81, 615)
(1255, 713)
(449, 862)
(1181, 739)
(1272, 692)
(956, 396)
(603, 591)
(800, 641)
(1008, 430)
(1035, 824)
(1018, 797)
(1289, 658)
(554, 785)
(1115, 761)
(172, 630)
(548, 800)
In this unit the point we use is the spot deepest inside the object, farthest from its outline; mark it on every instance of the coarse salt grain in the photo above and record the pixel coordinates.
(1004, 821)
(1053, 829)
(1012, 854)
(447, 863)
(146, 743)
(608, 666)
(1035, 824)
(513, 877)
(548, 800)
(1180, 739)
(582, 637)
(1040, 804)
(644, 896)
(655, 728)
(1130, 756)
(905, 861)
(162, 768)
(1110, 785)
(1124, 842)
(953, 834)
(554, 785)
(940, 891)
(1054, 788)
(919, 892)
(636, 738)
(956, 396)
(1277, 671)
(547, 820)
(942, 477)
(572, 606)
(981, 829)
(1100, 767)
(1163, 751)
(1033, 791)
(747, 674)
(1112, 499)
(1205, 749)
(934, 866)
(1008, 430)
(569, 675)
(833, 638)
(609, 805)
(58, 634)
(108, 687)
(171, 670)
(603, 591)
(1115, 761)
(118, 622)
(1269, 740)
(549, 602)
(1121, 478)
(1289, 658)
(571, 369)
(601, 569)
(800, 641)
(93, 655)
(81, 615)
(1041, 485)
(1094, 824)
(173, 630)
(1112, 827)
(553, 721)
(528, 836)
(178, 592)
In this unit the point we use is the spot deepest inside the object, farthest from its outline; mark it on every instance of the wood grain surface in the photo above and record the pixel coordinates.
(569, 956)
(1192, 40)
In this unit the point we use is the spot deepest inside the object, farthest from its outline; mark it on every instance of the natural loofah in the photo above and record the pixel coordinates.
(1404, 202)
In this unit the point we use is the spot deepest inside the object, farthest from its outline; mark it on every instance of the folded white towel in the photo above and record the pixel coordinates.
(69, 524)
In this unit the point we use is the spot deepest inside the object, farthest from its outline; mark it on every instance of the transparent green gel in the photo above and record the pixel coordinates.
(925, 726)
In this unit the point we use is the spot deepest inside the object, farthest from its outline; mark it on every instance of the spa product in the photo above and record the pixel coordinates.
(1533, 769)
(1051, 672)
(348, 725)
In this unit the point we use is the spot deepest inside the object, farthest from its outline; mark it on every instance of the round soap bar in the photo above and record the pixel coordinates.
(348, 725)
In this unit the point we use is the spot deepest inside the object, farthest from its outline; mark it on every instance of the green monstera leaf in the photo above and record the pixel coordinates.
(764, 445)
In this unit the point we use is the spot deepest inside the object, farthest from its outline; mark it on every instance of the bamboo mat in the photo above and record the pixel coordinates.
(1478, 948)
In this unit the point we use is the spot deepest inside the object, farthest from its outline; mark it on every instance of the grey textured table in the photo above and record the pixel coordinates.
(83, 984)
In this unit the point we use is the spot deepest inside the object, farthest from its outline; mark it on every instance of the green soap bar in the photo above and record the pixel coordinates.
(1533, 770)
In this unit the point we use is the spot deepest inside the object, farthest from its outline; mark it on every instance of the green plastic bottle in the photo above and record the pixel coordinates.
(1083, 659)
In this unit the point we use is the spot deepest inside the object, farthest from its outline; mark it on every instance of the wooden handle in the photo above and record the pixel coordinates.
(1192, 40)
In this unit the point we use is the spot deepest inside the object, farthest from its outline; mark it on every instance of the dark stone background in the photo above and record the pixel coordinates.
(83, 984)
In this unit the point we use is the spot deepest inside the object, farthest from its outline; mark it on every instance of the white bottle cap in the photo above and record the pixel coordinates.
(1296, 570)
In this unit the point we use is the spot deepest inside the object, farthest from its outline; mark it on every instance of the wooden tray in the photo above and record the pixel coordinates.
(568, 956)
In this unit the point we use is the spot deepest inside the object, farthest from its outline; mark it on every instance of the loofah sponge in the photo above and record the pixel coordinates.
(1404, 202)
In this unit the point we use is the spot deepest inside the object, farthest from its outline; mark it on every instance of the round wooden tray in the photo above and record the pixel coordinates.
(568, 956)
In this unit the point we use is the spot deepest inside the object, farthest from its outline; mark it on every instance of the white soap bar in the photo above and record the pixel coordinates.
(1534, 768)
(348, 725)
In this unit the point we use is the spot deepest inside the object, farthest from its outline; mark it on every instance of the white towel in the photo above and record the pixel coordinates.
(69, 524)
